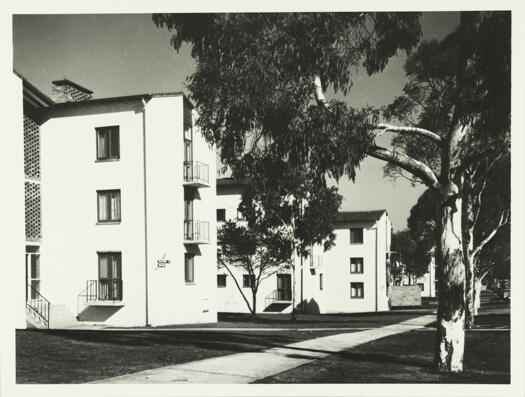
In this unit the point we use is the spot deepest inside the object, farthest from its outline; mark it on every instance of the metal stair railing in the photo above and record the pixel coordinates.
(38, 305)
(272, 297)
(87, 295)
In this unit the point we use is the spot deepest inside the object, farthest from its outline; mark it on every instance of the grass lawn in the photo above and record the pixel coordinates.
(407, 358)
(78, 356)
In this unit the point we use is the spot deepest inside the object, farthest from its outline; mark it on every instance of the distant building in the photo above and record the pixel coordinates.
(349, 278)
(119, 210)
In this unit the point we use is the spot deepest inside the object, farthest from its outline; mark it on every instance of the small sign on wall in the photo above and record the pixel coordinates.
(162, 262)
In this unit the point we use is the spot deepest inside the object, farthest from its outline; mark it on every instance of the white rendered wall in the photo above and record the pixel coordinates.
(172, 300)
(428, 281)
(14, 212)
(71, 177)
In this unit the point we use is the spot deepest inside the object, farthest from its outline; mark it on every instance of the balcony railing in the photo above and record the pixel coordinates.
(278, 296)
(196, 232)
(196, 174)
(100, 292)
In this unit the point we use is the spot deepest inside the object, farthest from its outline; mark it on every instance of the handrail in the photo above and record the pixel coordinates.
(196, 230)
(39, 305)
(278, 296)
(86, 295)
(195, 171)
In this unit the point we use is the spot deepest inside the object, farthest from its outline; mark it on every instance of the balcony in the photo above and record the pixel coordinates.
(196, 174)
(196, 232)
(103, 292)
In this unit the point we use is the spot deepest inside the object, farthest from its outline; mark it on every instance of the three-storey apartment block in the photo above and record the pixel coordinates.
(126, 212)
(351, 277)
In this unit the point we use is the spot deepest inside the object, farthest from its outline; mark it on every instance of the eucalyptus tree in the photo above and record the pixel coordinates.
(260, 84)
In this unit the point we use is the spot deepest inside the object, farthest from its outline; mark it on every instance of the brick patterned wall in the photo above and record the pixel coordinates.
(32, 172)
(66, 93)
(31, 149)
(33, 213)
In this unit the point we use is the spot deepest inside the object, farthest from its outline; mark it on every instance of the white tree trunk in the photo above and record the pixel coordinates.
(450, 337)
(477, 295)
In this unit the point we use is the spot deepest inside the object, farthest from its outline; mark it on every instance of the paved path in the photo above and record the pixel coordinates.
(249, 367)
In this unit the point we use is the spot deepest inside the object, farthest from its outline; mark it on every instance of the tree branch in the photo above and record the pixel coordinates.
(407, 163)
(504, 219)
(410, 130)
(319, 94)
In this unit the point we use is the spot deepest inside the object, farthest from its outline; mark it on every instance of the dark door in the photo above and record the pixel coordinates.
(284, 287)
(110, 276)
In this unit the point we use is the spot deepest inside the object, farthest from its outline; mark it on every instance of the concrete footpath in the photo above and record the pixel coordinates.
(249, 367)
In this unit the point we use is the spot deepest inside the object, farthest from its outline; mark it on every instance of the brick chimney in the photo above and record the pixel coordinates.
(68, 91)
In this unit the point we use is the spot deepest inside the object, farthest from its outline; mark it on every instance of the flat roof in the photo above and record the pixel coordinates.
(360, 216)
(101, 101)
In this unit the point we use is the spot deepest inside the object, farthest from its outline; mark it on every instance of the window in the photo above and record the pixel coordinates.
(421, 286)
(110, 276)
(188, 152)
(248, 281)
(356, 265)
(108, 145)
(321, 281)
(356, 290)
(189, 268)
(188, 143)
(221, 280)
(221, 215)
(356, 235)
(108, 202)
(32, 272)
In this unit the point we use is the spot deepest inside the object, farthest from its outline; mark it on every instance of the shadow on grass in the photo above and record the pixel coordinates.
(232, 341)
(320, 320)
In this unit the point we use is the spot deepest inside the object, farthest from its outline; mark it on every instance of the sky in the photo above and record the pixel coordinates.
(125, 54)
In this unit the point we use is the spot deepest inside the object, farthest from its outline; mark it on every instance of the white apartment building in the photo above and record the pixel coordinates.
(119, 210)
(349, 278)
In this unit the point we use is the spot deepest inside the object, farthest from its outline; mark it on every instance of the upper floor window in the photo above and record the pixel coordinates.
(357, 290)
(356, 265)
(221, 215)
(248, 281)
(356, 235)
(221, 280)
(189, 268)
(108, 144)
(108, 202)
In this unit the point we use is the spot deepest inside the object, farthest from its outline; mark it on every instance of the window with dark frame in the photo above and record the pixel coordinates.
(108, 143)
(110, 276)
(248, 281)
(357, 290)
(320, 281)
(356, 265)
(221, 215)
(108, 206)
(221, 280)
(421, 286)
(189, 268)
(356, 235)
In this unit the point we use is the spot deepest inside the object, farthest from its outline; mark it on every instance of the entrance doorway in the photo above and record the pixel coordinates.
(284, 287)
(32, 272)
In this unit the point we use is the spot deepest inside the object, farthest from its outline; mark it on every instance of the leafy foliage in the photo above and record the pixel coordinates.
(254, 90)
(405, 248)
(451, 83)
